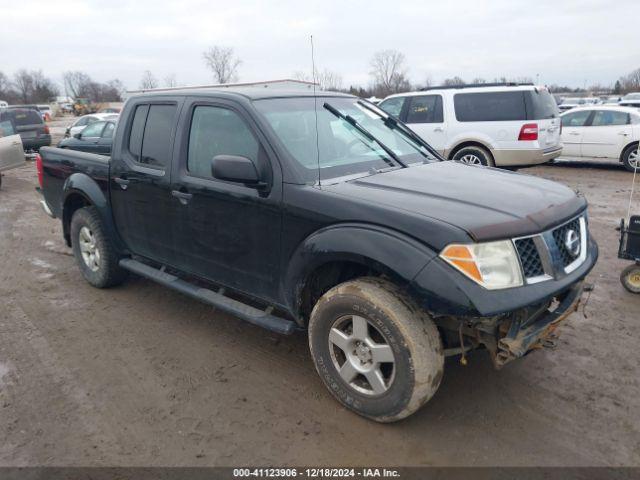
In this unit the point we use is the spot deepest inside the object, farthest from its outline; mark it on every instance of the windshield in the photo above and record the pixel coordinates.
(339, 149)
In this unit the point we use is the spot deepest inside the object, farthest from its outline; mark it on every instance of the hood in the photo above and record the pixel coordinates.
(487, 203)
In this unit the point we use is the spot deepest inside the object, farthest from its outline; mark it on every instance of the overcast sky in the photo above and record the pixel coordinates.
(564, 41)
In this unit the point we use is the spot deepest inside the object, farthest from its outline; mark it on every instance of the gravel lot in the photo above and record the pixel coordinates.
(141, 375)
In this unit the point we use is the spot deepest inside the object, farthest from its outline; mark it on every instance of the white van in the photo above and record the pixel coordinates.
(490, 124)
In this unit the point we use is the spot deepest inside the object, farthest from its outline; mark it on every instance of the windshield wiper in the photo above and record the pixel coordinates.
(393, 124)
(353, 122)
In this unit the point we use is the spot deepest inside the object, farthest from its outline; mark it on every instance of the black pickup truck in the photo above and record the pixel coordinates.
(321, 212)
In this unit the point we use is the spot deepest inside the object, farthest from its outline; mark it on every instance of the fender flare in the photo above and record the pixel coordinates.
(85, 186)
(380, 248)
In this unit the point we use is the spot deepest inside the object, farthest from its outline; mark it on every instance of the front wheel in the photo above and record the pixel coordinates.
(376, 352)
(630, 278)
(93, 251)
(631, 158)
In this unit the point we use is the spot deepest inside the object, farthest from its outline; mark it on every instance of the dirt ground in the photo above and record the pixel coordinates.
(140, 375)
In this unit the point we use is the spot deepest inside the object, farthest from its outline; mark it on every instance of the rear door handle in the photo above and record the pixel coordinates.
(438, 129)
(184, 197)
(623, 133)
(574, 133)
(123, 182)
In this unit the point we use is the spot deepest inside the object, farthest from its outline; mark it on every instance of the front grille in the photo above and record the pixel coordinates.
(560, 236)
(529, 257)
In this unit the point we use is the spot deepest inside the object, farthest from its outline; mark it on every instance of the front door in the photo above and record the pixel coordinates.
(89, 137)
(607, 135)
(425, 116)
(140, 180)
(573, 128)
(230, 232)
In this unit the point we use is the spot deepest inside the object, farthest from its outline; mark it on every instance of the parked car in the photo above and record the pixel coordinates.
(11, 150)
(46, 112)
(572, 102)
(82, 122)
(294, 211)
(630, 100)
(95, 138)
(602, 132)
(613, 100)
(3, 104)
(110, 110)
(28, 123)
(496, 125)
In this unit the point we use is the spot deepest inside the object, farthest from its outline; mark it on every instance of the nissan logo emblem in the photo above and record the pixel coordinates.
(572, 242)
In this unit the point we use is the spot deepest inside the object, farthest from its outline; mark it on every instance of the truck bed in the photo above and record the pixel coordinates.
(59, 165)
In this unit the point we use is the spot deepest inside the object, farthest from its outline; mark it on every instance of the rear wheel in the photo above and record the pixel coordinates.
(376, 352)
(630, 278)
(474, 155)
(94, 254)
(631, 158)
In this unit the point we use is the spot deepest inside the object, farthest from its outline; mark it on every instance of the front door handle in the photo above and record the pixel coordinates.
(184, 197)
(623, 133)
(438, 129)
(123, 182)
(574, 133)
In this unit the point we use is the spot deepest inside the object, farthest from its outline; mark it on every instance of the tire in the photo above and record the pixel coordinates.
(88, 237)
(474, 155)
(398, 330)
(631, 158)
(630, 278)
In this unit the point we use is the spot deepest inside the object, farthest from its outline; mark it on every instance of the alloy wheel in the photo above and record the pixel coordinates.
(88, 249)
(361, 355)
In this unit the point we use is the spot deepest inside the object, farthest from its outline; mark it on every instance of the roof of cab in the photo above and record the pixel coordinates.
(251, 93)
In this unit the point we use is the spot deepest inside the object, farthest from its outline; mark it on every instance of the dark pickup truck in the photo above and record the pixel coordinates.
(321, 212)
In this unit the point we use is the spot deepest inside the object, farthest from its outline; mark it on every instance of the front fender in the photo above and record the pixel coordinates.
(380, 248)
(85, 186)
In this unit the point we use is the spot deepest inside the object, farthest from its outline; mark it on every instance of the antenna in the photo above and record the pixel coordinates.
(315, 108)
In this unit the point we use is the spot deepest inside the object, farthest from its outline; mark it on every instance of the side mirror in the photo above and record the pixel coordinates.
(234, 168)
(78, 135)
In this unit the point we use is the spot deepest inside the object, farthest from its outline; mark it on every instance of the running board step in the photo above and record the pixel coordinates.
(217, 299)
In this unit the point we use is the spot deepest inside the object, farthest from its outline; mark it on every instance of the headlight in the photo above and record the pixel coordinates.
(493, 265)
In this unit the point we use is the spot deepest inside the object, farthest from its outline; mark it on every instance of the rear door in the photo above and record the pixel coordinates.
(229, 232)
(11, 151)
(574, 125)
(425, 115)
(608, 133)
(140, 178)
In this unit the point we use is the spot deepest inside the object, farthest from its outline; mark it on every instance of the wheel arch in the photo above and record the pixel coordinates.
(471, 143)
(626, 147)
(80, 191)
(339, 253)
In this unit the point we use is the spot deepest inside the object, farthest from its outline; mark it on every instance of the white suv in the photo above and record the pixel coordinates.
(491, 124)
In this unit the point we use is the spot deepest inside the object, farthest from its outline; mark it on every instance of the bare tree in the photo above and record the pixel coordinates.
(33, 87)
(478, 81)
(452, 82)
(326, 79)
(148, 81)
(24, 84)
(223, 63)
(75, 83)
(170, 80)
(389, 72)
(630, 82)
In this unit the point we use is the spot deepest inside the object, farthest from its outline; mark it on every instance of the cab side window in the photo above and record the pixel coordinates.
(425, 109)
(576, 119)
(218, 131)
(93, 130)
(393, 106)
(602, 118)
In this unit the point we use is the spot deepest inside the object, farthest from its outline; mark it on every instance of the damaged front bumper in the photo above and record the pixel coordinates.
(523, 334)
(511, 336)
